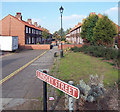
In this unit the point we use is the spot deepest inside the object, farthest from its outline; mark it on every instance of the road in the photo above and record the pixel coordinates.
(25, 84)
(15, 61)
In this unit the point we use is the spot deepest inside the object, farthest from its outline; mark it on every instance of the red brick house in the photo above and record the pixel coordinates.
(27, 32)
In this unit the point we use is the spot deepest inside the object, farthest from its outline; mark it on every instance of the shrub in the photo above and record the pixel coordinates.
(75, 49)
(99, 51)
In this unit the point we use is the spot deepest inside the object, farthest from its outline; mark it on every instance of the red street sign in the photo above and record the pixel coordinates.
(63, 86)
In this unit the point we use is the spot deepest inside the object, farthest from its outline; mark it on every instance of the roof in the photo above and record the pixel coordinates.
(76, 26)
(26, 23)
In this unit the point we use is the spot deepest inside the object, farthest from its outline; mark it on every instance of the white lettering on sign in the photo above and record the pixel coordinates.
(61, 85)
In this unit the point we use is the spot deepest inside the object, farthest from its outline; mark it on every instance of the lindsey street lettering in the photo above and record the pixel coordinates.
(61, 85)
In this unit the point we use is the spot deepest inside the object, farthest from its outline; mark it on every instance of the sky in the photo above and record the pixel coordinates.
(47, 14)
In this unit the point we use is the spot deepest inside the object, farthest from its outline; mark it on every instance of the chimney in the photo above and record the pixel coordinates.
(39, 26)
(29, 21)
(92, 13)
(18, 15)
(79, 23)
(100, 15)
(35, 23)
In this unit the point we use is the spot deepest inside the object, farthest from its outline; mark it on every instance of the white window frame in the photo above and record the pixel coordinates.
(26, 29)
(33, 40)
(29, 40)
(29, 30)
(32, 31)
(26, 40)
(36, 31)
(40, 32)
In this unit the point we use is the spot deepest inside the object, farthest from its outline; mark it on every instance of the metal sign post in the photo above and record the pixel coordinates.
(44, 95)
(61, 85)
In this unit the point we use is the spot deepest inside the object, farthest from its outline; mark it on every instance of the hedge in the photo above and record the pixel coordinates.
(99, 51)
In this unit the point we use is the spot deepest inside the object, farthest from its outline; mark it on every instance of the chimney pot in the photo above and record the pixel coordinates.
(18, 15)
(35, 23)
(39, 26)
(29, 21)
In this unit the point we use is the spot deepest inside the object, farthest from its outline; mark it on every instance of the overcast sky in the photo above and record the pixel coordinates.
(47, 13)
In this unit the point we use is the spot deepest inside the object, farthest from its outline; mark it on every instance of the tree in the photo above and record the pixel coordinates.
(88, 26)
(45, 35)
(67, 31)
(104, 31)
(56, 35)
(63, 32)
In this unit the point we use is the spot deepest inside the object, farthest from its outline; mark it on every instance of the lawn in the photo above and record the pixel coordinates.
(76, 66)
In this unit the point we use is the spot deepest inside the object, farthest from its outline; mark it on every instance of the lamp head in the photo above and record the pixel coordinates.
(61, 9)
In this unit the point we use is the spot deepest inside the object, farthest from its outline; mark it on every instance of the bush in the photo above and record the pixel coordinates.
(98, 51)
(75, 49)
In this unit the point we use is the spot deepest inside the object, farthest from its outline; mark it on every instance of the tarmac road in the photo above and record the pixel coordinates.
(25, 84)
(15, 61)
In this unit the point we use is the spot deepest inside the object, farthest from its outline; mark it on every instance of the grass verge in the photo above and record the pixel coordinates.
(75, 66)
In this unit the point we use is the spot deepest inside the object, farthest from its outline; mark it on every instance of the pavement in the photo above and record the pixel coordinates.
(25, 85)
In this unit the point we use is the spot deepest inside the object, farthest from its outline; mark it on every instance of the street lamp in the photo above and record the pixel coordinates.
(56, 38)
(61, 11)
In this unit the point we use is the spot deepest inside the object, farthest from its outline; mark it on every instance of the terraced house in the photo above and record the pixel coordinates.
(74, 35)
(27, 32)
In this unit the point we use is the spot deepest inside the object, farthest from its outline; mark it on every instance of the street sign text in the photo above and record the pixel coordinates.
(63, 86)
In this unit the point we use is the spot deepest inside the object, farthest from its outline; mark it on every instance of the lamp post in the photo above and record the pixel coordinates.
(56, 38)
(61, 11)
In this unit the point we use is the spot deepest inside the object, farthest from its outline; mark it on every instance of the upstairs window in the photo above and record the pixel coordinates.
(32, 31)
(29, 30)
(36, 31)
(40, 32)
(26, 29)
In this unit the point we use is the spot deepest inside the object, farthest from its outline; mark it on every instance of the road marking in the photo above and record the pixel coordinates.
(21, 68)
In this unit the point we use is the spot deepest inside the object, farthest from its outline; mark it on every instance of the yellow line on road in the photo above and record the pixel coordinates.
(21, 68)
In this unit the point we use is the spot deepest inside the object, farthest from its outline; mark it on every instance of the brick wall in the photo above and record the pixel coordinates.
(12, 27)
(69, 45)
(44, 46)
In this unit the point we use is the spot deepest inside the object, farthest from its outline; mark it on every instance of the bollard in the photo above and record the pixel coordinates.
(71, 100)
(66, 102)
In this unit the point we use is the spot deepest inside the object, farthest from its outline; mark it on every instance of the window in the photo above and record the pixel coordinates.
(33, 40)
(32, 31)
(29, 40)
(74, 31)
(40, 32)
(37, 39)
(26, 41)
(26, 29)
(36, 31)
(29, 30)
